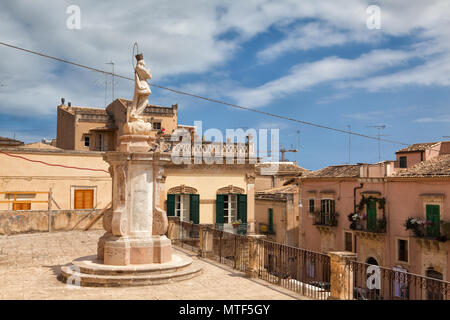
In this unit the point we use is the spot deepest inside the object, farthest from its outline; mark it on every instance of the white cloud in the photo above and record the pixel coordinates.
(185, 38)
(305, 76)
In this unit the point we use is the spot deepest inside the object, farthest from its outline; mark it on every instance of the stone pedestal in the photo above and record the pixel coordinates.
(255, 255)
(341, 277)
(135, 225)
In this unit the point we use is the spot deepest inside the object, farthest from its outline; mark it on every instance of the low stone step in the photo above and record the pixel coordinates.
(91, 265)
(70, 276)
(90, 272)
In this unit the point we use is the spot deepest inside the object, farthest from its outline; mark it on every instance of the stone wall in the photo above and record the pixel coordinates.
(14, 222)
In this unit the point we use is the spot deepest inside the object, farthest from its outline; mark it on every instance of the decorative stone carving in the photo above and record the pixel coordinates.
(182, 189)
(230, 189)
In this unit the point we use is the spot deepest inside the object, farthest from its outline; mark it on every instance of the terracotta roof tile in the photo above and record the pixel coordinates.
(435, 167)
(339, 171)
(417, 147)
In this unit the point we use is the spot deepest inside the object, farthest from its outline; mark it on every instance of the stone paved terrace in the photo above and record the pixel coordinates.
(35, 259)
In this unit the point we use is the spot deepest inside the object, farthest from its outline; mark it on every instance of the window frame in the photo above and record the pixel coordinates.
(182, 211)
(313, 207)
(72, 196)
(228, 208)
(397, 246)
(403, 160)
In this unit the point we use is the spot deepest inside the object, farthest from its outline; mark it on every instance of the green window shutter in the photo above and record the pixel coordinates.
(219, 208)
(432, 213)
(242, 208)
(270, 220)
(170, 205)
(194, 203)
(371, 215)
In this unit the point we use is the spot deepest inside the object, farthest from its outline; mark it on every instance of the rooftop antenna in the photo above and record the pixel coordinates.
(112, 63)
(379, 127)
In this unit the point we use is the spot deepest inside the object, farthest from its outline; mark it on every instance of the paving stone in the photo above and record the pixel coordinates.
(34, 260)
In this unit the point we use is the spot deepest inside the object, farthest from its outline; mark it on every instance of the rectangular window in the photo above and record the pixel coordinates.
(311, 206)
(230, 208)
(156, 125)
(326, 208)
(403, 163)
(402, 250)
(182, 206)
(83, 199)
(86, 141)
(22, 206)
(348, 241)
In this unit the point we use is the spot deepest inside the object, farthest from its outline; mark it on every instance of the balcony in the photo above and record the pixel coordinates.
(374, 229)
(325, 219)
(428, 234)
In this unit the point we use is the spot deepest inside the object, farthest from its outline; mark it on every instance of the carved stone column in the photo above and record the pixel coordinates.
(136, 225)
(341, 277)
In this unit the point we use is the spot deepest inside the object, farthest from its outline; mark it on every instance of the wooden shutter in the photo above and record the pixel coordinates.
(22, 206)
(371, 215)
(219, 208)
(270, 220)
(432, 213)
(242, 208)
(83, 199)
(171, 205)
(194, 203)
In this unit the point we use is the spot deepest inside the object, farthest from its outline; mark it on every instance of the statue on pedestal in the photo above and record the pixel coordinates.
(136, 132)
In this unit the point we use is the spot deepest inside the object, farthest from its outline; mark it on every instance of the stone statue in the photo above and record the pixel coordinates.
(135, 121)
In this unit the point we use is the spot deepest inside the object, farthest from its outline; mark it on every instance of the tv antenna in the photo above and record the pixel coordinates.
(112, 63)
(379, 127)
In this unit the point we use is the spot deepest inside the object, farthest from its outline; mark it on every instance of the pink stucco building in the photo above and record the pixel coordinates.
(363, 208)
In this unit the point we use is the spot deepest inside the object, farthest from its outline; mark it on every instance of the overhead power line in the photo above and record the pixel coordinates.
(209, 99)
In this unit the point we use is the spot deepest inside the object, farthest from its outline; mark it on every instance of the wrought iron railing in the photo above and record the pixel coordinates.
(371, 282)
(305, 272)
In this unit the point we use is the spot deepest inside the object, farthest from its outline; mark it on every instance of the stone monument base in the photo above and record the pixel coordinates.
(91, 272)
(134, 143)
(121, 251)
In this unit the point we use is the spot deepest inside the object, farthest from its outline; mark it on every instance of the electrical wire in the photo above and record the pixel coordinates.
(51, 164)
(210, 99)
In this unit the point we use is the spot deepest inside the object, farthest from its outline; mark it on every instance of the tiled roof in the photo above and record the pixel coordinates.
(290, 188)
(339, 171)
(283, 168)
(417, 147)
(435, 167)
(277, 194)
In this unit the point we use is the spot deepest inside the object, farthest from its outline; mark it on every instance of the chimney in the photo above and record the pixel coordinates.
(69, 104)
(62, 101)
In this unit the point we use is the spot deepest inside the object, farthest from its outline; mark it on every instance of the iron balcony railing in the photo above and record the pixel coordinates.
(371, 282)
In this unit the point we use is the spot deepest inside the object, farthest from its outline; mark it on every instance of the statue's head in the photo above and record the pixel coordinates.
(139, 57)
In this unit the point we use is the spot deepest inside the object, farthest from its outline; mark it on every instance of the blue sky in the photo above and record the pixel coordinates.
(316, 61)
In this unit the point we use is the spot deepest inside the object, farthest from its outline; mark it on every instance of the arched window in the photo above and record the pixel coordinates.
(434, 287)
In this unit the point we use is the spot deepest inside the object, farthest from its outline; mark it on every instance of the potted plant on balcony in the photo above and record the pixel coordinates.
(355, 221)
(417, 225)
(236, 223)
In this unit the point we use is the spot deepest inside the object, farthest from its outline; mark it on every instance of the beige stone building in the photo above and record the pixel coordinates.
(97, 129)
(202, 193)
(277, 201)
